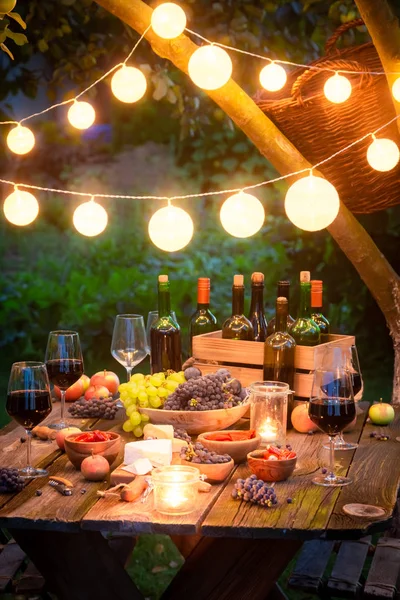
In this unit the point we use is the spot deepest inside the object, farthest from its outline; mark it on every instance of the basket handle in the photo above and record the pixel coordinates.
(330, 46)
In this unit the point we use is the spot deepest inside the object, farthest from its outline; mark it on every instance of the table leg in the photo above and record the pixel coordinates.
(78, 566)
(232, 569)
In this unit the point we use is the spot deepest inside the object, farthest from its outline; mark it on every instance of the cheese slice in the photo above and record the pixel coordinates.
(141, 466)
(159, 452)
(177, 445)
(158, 432)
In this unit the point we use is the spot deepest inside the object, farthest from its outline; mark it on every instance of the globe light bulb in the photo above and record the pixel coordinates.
(337, 89)
(128, 84)
(21, 208)
(171, 228)
(210, 67)
(312, 203)
(383, 154)
(90, 218)
(81, 115)
(396, 89)
(168, 20)
(273, 77)
(242, 215)
(20, 140)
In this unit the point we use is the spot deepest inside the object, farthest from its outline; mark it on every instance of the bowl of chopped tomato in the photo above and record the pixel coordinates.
(234, 442)
(80, 445)
(272, 463)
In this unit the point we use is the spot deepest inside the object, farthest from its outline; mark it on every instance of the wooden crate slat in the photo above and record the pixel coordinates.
(383, 579)
(213, 347)
(11, 560)
(310, 566)
(345, 577)
(245, 375)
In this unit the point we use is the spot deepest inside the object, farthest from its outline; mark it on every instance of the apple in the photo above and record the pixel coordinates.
(75, 391)
(107, 378)
(381, 413)
(64, 432)
(300, 419)
(97, 391)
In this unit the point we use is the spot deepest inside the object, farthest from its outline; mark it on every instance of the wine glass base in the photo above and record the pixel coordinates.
(60, 425)
(342, 446)
(32, 473)
(327, 481)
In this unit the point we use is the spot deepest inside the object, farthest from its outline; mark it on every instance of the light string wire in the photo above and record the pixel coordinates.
(206, 194)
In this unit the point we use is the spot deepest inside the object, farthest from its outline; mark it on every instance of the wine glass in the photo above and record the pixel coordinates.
(64, 364)
(331, 408)
(152, 318)
(129, 342)
(28, 403)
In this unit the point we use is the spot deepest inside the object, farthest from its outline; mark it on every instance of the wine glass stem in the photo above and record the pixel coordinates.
(128, 373)
(28, 449)
(62, 404)
(331, 457)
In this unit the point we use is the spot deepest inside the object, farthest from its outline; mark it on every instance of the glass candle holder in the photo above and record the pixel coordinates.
(268, 411)
(175, 489)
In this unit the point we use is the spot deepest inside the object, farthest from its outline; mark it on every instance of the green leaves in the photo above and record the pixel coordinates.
(18, 38)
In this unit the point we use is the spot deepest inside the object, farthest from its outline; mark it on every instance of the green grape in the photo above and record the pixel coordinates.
(131, 409)
(133, 391)
(138, 432)
(145, 418)
(142, 396)
(135, 419)
(177, 377)
(156, 381)
(129, 402)
(162, 392)
(151, 391)
(155, 401)
(160, 375)
(137, 377)
(127, 426)
(171, 385)
(124, 396)
(144, 403)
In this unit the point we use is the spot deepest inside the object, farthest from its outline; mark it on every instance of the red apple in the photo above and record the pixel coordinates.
(300, 419)
(75, 391)
(64, 432)
(107, 378)
(96, 391)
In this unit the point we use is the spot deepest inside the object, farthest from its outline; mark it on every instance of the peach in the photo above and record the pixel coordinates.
(97, 391)
(62, 433)
(107, 378)
(300, 419)
(75, 391)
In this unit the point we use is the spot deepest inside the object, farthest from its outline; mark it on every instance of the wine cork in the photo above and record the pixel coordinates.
(238, 280)
(257, 278)
(163, 278)
(282, 300)
(304, 276)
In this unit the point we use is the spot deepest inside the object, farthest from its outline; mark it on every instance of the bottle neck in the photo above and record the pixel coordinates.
(305, 297)
(281, 316)
(316, 299)
(237, 300)
(164, 302)
(203, 298)
(257, 298)
(283, 291)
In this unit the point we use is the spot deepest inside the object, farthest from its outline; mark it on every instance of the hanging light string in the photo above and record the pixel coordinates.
(206, 194)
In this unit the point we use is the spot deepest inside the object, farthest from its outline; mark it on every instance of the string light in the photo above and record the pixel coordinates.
(128, 84)
(168, 20)
(81, 115)
(90, 218)
(273, 77)
(312, 203)
(20, 208)
(383, 154)
(210, 67)
(20, 140)
(337, 89)
(171, 228)
(242, 215)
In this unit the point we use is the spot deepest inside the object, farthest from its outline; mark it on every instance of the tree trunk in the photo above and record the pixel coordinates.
(352, 238)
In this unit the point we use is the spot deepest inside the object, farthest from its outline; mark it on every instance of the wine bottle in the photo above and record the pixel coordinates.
(202, 320)
(304, 330)
(165, 334)
(257, 316)
(238, 327)
(279, 350)
(283, 291)
(316, 306)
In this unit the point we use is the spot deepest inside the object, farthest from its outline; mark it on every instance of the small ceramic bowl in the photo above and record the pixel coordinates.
(215, 473)
(270, 470)
(237, 450)
(78, 451)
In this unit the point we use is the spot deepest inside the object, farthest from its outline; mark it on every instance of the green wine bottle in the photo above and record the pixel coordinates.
(165, 334)
(202, 320)
(257, 316)
(316, 307)
(238, 327)
(283, 291)
(304, 330)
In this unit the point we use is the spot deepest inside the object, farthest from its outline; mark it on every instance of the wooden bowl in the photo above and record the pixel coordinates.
(214, 473)
(196, 421)
(270, 470)
(78, 451)
(237, 450)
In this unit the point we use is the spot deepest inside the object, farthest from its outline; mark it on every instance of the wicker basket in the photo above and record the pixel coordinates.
(318, 128)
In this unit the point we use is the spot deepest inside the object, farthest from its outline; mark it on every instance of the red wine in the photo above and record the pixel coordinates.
(63, 372)
(28, 407)
(357, 384)
(331, 417)
(165, 349)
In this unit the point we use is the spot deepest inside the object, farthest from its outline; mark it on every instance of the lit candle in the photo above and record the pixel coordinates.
(174, 498)
(268, 431)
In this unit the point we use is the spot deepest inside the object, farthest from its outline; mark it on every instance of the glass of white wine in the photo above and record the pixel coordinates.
(129, 342)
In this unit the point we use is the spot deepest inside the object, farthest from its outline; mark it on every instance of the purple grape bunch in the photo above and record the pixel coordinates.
(10, 480)
(197, 453)
(182, 434)
(88, 409)
(255, 491)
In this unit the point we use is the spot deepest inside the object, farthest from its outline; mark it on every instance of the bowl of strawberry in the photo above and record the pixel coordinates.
(86, 443)
(272, 463)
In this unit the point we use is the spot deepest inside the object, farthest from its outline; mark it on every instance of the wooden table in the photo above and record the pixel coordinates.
(233, 549)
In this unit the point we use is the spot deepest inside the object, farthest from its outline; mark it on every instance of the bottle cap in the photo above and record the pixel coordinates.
(203, 283)
(304, 276)
(316, 284)
(238, 280)
(284, 283)
(163, 278)
(257, 278)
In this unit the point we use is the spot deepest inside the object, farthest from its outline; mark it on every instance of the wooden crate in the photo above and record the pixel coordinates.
(245, 359)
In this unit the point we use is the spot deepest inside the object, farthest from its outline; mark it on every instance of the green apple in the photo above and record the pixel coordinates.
(381, 413)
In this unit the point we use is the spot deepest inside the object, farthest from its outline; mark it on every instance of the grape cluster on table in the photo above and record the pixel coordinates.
(90, 409)
(10, 480)
(206, 392)
(182, 434)
(197, 453)
(255, 491)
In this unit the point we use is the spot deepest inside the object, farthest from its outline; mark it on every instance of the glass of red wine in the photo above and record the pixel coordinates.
(331, 408)
(28, 403)
(64, 364)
